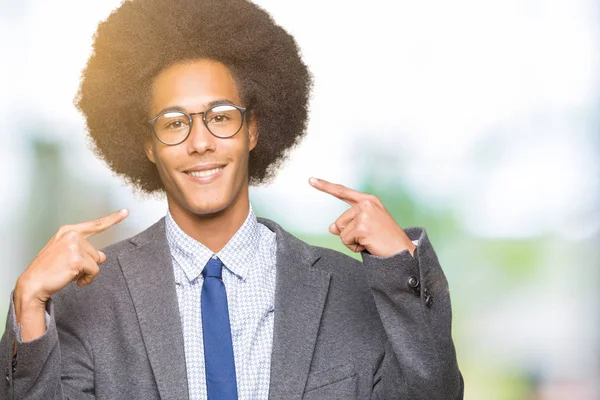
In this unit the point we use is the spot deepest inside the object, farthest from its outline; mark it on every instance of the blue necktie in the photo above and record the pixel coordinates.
(216, 331)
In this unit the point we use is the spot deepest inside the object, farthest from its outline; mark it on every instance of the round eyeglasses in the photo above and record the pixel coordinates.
(173, 127)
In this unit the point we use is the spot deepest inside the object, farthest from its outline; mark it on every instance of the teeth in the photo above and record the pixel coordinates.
(205, 173)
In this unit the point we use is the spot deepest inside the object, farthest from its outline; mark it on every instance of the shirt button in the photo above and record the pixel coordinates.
(7, 379)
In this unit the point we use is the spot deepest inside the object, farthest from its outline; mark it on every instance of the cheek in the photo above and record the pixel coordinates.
(164, 160)
(242, 160)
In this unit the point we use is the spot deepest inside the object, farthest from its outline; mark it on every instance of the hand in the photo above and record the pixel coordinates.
(367, 225)
(67, 257)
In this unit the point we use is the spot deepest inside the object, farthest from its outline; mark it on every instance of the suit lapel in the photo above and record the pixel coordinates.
(300, 294)
(148, 272)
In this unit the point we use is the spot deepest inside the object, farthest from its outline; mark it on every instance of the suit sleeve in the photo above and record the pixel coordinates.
(47, 368)
(413, 301)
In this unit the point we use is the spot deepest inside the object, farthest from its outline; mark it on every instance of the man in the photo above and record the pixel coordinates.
(199, 99)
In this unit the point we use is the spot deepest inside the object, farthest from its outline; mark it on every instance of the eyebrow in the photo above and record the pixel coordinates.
(204, 106)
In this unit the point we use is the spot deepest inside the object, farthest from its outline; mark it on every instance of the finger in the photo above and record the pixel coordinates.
(349, 237)
(334, 229)
(85, 280)
(342, 192)
(88, 272)
(91, 251)
(358, 248)
(90, 228)
(343, 220)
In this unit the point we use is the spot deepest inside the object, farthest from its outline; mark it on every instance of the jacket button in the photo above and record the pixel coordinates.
(428, 301)
(413, 282)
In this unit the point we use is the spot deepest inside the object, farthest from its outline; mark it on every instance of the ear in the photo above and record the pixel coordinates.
(252, 132)
(149, 151)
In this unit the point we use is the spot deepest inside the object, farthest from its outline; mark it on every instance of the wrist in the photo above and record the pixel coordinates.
(26, 299)
(30, 313)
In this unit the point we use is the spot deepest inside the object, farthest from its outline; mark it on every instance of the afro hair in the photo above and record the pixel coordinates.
(143, 37)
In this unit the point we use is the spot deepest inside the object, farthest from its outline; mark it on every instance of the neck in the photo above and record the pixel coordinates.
(213, 230)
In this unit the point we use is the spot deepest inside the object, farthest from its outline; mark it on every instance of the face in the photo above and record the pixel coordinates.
(204, 175)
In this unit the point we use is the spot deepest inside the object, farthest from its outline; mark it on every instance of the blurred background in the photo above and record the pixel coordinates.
(478, 120)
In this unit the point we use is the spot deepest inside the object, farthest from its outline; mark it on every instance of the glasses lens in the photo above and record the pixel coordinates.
(223, 120)
(172, 127)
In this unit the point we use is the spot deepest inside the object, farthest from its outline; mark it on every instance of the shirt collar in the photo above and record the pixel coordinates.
(192, 256)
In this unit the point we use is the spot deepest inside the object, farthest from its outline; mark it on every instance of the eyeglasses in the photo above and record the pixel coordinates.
(173, 127)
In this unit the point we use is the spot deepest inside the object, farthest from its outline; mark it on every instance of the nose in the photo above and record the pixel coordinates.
(200, 139)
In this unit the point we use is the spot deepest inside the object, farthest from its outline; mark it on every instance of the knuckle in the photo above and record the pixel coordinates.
(362, 218)
(71, 235)
(74, 259)
(371, 197)
(73, 248)
(362, 228)
(94, 270)
(374, 199)
(367, 204)
(63, 229)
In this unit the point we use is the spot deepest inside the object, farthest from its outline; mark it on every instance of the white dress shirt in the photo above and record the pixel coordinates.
(249, 277)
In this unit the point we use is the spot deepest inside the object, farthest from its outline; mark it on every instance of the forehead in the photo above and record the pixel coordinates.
(193, 84)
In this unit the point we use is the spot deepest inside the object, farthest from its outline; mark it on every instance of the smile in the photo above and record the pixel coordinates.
(206, 173)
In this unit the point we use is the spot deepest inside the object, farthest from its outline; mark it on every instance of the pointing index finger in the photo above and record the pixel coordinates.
(90, 228)
(342, 192)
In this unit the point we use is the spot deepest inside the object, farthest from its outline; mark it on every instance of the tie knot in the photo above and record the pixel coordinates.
(213, 268)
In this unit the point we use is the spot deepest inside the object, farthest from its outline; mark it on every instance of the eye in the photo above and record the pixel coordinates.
(223, 114)
(177, 124)
(218, 118)
(173, 121)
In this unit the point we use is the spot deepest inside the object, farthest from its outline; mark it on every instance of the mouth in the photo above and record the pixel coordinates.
(205, 173)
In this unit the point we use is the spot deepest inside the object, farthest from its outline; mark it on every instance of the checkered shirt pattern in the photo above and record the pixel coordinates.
(249, 278)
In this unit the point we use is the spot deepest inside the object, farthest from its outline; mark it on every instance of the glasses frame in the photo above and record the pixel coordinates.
(189, 116)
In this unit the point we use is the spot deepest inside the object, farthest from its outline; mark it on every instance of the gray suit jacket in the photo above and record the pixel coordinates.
(343, 329)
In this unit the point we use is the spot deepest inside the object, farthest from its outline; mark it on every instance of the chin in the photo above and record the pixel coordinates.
(206, 208)
(205, 200)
